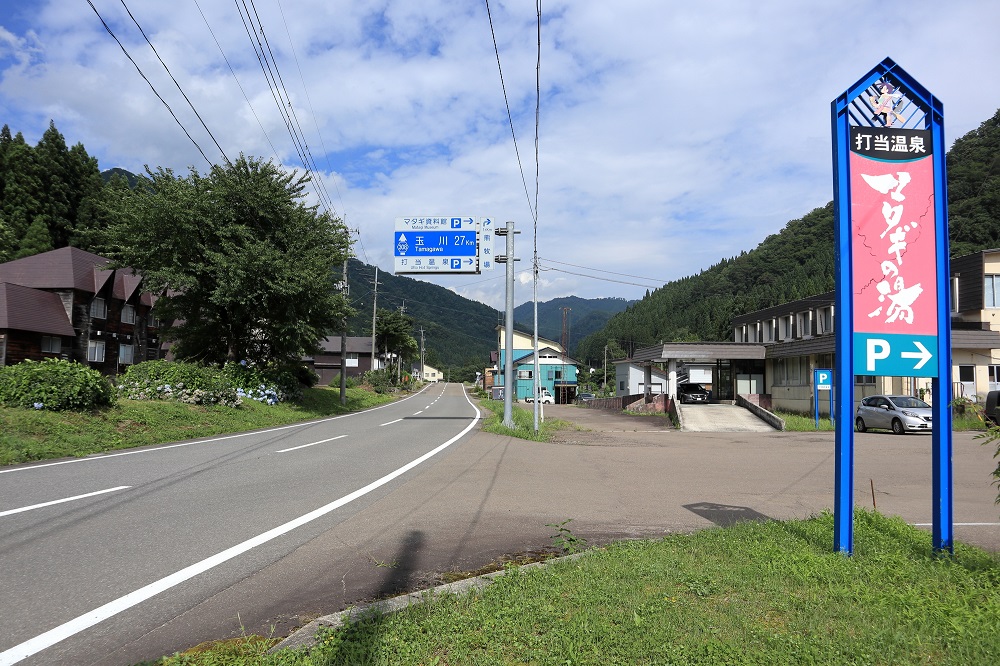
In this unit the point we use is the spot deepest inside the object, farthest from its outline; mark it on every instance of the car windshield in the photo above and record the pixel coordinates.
(906, 402)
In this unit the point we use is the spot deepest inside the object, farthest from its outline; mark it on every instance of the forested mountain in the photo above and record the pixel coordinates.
(458, 332)
(586, 316)
(797, 262)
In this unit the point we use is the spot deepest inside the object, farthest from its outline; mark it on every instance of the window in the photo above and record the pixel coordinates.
(128, 314)
(824, 320)
(768, 331)
(524, 374)
(991, 291)
(99, 308)
(864, 380)
(790, 371)
(803, 322)
(95, 351)
(785, 330)
(126, 354)
(621, 385)
(51, 345)
(558, 374)
(352, 360)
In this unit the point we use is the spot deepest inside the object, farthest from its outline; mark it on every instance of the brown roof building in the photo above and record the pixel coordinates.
(68, 304)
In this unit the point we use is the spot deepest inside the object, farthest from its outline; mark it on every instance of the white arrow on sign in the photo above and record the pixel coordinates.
(922, 354)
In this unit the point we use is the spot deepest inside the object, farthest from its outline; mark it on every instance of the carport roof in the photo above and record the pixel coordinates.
(708, 351)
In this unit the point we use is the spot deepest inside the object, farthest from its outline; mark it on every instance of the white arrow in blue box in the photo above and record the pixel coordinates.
(895, 355)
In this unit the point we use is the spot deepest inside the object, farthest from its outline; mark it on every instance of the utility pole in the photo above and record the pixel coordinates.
(509, 382)
(423, 373)
(343, 345)
(605, 373)
(374, 305)
(564, 340)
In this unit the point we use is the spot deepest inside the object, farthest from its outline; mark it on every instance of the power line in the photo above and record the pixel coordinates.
(510, 117)
(596, 277)
(600, 270)
(278, 92)
(305, 89)
(151, 86)
(236, 78)
(176, 83)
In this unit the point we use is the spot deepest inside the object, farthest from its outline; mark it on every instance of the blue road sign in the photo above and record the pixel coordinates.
(435, 243)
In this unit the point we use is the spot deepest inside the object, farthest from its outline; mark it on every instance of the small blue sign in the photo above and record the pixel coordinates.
(823, 379)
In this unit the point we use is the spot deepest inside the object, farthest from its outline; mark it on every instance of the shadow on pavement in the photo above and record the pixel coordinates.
(360, 639)
(724, 515)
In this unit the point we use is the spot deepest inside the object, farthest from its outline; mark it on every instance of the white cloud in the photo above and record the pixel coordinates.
(671, 134)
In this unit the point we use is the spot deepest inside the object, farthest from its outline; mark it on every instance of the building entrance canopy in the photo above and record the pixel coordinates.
(732, 359)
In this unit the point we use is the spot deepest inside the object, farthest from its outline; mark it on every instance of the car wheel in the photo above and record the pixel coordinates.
(897, 427)
(859, 424)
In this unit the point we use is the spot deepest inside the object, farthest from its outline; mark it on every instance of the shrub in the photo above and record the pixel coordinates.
(379, 380)
(177, 380)
(269, 385)
(54, 384)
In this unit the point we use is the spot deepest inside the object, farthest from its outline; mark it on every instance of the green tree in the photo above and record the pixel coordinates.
(247, 270)
(393, 335)
(36, 240)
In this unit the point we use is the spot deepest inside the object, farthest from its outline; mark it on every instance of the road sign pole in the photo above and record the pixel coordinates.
(509, 382)
(843, 486)
(941, 444)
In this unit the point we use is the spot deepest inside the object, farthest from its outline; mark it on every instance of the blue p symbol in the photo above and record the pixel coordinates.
(456, 223)
(456, 263)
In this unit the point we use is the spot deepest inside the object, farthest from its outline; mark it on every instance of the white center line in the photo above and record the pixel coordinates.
(60, 501)
(960, 524)
(311, 444)
(420, 412)
(390, 422)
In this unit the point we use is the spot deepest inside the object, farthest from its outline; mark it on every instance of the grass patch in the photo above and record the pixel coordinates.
(27, 435)
(753, 593)
(803, 423)
(969, 421)
(524, 422)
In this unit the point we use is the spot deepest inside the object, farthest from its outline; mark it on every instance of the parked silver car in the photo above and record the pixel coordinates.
(899, 413)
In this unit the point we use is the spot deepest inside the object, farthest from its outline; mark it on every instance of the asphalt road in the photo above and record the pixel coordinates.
(483, 497)
(99, 552)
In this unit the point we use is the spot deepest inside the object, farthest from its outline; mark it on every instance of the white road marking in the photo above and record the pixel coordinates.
(10, 512)
(420, 412)
(959, 524)
(112, 608)
(154, 449)
(391, 422)
(296, 448)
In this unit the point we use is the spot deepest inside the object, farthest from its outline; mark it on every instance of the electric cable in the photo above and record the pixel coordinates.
(236, 78)
(146, 79)
(510, 117)
(176, 82)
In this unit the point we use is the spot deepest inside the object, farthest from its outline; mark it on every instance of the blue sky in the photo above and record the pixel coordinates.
(672, 134)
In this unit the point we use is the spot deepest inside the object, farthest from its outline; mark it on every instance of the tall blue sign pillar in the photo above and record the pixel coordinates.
(892, 272)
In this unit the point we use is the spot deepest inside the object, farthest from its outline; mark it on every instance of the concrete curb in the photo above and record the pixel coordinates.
(306, 636)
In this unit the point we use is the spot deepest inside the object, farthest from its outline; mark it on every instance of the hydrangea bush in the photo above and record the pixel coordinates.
(190, 383)
(54, 384)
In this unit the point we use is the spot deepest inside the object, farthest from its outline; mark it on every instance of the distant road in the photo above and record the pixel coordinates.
(97, 552)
